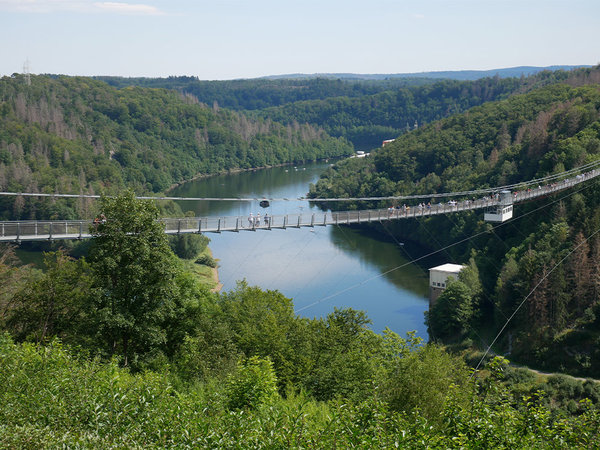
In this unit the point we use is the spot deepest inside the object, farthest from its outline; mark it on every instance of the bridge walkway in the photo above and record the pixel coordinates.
(17, 231)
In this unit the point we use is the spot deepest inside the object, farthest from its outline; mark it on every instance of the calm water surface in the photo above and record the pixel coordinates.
(318, 268)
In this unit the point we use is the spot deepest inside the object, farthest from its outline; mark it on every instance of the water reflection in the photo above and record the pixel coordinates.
(385, 255)
(319, 268)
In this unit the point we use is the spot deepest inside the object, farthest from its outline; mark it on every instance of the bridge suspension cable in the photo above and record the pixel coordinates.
(474, 192)
(415, 260)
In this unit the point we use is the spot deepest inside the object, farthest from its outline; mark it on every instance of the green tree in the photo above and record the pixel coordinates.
(252, 385)
(345, 356)
(188, 246)
(51, 304)
(421, 380)
(12, 280)
(134, 271)
(451, 314)
(261, 322)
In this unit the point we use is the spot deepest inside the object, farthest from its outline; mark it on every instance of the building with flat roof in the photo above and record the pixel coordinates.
(438, 279)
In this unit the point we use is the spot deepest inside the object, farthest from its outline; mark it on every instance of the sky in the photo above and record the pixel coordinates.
(231, 39)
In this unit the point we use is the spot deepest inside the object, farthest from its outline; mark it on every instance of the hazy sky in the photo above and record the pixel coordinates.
(225, 39)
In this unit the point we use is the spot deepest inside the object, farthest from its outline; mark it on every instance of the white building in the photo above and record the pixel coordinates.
(438, 278)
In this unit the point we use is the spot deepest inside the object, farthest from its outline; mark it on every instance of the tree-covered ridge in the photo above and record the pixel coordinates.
(363, 111)
(260, 93)
(552, 246)
(77, 134)
(369, 119)
(526, 136)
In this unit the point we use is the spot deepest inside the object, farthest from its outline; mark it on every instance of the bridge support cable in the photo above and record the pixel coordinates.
(546, 275)
(354, 286)
(292, 260)
(352, 245)
(218, 224)
(244, 261)
(486, 298)
(422, 225)
(402, 247)
(593, 169)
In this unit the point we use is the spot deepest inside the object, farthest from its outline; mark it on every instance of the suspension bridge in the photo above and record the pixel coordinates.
(497, 203)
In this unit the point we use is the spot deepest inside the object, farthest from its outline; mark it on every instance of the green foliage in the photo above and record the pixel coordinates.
(252, 385)
(260, 322)
(421, 381)
(79, 135)
(134, 273)
(207, 260)
(52, 304)
(188, 246)
(450, 315)
(344, 356)
(50, 398)
(12, 280)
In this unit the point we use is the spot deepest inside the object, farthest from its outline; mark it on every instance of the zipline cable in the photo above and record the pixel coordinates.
(523, 184)
(354, 286)
(529, 295)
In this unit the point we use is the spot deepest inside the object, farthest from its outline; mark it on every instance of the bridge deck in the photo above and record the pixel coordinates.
(17, 231)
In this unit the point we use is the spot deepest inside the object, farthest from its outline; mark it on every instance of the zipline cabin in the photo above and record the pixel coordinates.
(502, 210)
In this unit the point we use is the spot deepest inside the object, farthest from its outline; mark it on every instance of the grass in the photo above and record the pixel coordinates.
(206, 275)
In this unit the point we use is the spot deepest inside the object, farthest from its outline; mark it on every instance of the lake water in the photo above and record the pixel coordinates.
(319, 268)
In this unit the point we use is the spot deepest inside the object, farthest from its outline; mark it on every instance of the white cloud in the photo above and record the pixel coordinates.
(128, 8)
(419, 16)
(82, 6)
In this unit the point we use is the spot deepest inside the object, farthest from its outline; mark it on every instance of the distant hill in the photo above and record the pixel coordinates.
(363, 110)
(75, 134)
(448, 74)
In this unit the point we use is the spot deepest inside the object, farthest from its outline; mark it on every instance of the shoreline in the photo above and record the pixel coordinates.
(240, 170)
(215, 275)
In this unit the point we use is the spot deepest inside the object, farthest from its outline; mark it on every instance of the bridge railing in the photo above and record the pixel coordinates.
(79, 229)
(33, 229)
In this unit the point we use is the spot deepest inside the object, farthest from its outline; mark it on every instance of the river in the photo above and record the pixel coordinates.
(319, 268)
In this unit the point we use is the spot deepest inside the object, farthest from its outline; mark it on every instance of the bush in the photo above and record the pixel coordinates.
(207, 260)
(188, 246)
(253, 384)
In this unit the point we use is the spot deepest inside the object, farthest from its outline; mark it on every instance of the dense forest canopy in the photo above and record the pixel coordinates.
(260, 93)
(364, 111)
(74, 135)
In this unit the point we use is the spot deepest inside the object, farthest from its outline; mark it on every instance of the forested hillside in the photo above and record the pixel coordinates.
(72, 135)
(546, 131)
(125, 349)
(260, 93)
(363, 111)
(368, 120)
